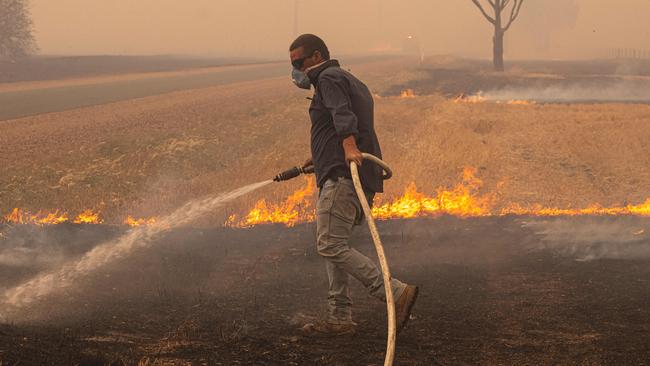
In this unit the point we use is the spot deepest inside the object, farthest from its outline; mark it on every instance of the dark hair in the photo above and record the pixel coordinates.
(311, 43)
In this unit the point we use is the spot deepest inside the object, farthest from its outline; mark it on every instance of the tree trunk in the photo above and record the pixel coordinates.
(497, 58)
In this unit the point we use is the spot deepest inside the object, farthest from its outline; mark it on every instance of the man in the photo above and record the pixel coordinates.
(342, 126)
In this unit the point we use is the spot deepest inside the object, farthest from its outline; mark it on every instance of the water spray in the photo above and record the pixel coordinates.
(46, 283)
(139, 237)
(385, 270)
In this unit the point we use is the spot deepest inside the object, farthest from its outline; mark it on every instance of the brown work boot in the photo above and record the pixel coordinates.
(325, 329)
(403, 306)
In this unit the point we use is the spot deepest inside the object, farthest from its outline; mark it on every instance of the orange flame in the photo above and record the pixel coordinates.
(24, 217)
(520, 102)
(53, 218)
(462, 200)
(642, 209)
(407, 93)
(20, 216)
(295, 209)
(131, 221)
(88, 217)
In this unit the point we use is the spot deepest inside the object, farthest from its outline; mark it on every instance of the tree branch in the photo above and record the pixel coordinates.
(514, 13)
(478, 5)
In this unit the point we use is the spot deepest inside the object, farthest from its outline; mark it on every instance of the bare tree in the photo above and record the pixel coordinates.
(501, 25)
(16, 37)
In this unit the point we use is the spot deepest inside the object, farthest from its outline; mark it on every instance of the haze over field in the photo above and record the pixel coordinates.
(256, 28)
(132, 231)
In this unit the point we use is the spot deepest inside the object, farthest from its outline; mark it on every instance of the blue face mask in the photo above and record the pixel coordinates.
(300, 79)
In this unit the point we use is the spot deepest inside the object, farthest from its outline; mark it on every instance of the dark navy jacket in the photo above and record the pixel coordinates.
(342, 106)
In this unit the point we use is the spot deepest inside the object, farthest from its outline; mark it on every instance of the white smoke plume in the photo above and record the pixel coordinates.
(617, 92)
(593, 238)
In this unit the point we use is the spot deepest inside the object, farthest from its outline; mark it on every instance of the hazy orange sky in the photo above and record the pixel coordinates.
(264, 28)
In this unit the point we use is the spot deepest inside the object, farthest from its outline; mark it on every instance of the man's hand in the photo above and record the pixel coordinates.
(307, 163)
(352, 152)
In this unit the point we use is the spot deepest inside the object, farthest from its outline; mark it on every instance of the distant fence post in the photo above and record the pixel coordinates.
(630, 53)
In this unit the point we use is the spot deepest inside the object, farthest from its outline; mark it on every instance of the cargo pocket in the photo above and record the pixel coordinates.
(345, 205)
(326, 197)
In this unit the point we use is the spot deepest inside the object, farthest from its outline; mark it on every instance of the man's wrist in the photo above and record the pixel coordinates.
(349, 141)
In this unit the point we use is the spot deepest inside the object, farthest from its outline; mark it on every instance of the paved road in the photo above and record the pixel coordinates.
(16, 104)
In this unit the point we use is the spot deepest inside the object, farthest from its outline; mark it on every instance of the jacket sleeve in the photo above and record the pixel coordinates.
(336, 98)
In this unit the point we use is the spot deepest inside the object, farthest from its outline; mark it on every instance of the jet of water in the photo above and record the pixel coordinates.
(139, 237)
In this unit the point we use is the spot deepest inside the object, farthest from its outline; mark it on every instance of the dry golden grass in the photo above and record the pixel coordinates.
(146, 156)
(555, 155)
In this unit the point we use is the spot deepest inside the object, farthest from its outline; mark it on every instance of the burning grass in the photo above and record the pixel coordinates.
(407, 93)
(481, 98)
(21, 216)
(463, 200)
(296, 208)
(162, 151)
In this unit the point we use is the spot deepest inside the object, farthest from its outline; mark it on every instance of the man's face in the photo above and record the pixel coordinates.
(309, 60)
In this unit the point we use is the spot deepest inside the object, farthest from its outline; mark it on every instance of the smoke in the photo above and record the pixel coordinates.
(588, 239)
(618, 92)
(534, 25)
(63, 278)
(31, 250)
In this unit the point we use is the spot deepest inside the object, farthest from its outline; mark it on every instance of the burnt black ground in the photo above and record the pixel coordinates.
(468, 77)
(493, 291)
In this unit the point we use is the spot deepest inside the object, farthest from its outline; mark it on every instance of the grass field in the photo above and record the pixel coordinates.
(145, 156)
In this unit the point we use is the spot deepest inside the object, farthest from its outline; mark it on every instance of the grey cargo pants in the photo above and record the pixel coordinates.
(338, 210)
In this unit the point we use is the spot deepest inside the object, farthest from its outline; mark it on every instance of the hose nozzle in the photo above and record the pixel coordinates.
(293, 172)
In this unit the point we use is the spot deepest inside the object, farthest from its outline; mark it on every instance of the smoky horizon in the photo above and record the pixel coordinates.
(550, 29)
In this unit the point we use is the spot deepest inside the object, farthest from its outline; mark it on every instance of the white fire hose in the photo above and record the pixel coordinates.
(390, 302)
